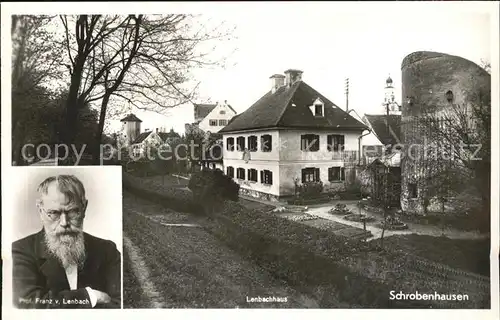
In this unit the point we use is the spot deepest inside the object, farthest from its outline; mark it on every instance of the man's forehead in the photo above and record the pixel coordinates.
(55, 196)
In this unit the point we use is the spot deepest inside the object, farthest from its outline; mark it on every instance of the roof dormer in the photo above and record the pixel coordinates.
(318, 108)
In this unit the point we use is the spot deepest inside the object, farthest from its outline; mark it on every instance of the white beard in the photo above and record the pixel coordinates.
(68, 249)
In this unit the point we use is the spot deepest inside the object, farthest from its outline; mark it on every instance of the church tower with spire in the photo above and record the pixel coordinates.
(390, 106)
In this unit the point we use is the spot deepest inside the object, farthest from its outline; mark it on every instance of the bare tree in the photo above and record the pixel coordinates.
(461, 135)
(142, 60)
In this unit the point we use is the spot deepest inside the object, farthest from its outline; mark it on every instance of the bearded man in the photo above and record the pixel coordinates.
(62, 266)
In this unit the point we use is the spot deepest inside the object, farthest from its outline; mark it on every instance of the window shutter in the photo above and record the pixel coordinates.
(303, 175)
(330, 174)
(270, 144)
(329, 143)
(342, 142)
(261, 176)
(316, 174)
(270, 177)
(342, 174)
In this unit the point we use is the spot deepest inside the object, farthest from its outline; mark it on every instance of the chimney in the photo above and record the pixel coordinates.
(277, 81)
(292, 76)
(156, 130)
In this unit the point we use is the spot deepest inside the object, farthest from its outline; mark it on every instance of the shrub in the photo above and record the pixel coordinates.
(311, 190)
(213, 185)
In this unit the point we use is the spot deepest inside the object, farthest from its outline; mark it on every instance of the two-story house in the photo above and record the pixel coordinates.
(293, 134)
(384, 141)
(212, 117)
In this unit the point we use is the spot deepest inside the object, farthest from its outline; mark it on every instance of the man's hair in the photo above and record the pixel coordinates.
(69, 185)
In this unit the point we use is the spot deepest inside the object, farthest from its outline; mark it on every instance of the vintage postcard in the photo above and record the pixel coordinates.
(281, 155)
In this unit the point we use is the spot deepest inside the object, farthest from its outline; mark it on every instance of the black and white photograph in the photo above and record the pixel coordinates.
(258, 155)
(67, 231)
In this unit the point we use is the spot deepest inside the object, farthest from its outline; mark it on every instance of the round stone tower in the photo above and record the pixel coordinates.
(431, 83)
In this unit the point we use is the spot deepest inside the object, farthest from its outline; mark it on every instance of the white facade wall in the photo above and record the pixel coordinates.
(286, 159)
(220, 112)
(258, 160)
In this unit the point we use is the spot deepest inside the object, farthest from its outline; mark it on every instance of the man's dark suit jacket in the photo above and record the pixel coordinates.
(39, 279)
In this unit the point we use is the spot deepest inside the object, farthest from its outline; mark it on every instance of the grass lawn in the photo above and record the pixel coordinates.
(305, 258)
(255, 205)
(467, 255)
(192, 268)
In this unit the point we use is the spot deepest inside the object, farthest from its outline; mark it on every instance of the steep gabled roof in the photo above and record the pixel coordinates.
(201, 110)
(163, 136)
(387, 128)
(232, 109)
(288, 107)
(140, 138)
(131, 118)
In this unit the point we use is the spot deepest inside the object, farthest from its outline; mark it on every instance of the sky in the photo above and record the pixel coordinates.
(329, 44)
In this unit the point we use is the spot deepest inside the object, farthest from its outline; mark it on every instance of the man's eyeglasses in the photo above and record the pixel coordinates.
(56, 215)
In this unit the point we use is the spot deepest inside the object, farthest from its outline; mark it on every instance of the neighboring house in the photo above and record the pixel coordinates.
(384, 140)
(382, 150)
(152, 139)
(212, 117)
(292, 134)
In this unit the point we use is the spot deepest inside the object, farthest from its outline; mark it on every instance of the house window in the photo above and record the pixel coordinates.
(309, 142)
(230, 144)
(240, 143)
(230, 172)
(336, 174)
(412, 190)
(222, 112)
(266, 177)
(213, 123)
(318, 110)
(222, 122)
(252, 143)
(310, 175)
(252, 175)
(336, 142)
(266, 143)
(240, 173)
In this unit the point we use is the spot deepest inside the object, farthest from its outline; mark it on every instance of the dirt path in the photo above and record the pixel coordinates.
(172, 262)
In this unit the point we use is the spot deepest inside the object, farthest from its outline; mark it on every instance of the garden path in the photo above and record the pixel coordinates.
(321, 211)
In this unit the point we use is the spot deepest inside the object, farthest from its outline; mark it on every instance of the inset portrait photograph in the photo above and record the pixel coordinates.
(67, 237)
